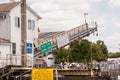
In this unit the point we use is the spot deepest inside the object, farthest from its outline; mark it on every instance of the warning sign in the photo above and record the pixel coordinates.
(42, 74)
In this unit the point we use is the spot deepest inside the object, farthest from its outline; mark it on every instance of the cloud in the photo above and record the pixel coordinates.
(116, 22)
(63, 14)
(45, 6)
(112, 41)
(3, 1)
(60, 15)
(114, 3)
(113, 38)
(93, 1)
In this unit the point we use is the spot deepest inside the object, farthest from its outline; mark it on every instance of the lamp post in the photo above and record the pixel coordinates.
(85, 17)
(91, 55)
(91, 71)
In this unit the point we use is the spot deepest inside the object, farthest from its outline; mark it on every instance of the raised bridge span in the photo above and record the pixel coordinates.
(72, 35)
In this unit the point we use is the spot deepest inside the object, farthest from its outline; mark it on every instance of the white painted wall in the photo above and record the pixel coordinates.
(5, 27)
(31, 33)
(15, 32)
(4, 50)
(49, 61)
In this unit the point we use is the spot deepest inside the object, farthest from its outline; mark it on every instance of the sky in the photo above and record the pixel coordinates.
(61, 15)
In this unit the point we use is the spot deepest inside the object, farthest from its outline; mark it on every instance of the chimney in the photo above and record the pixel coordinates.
(23, 32)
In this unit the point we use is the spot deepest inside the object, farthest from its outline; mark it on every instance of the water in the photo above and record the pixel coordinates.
(71, 78)
(82, 78)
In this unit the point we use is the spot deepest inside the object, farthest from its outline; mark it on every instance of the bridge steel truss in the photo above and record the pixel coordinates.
(74, 34)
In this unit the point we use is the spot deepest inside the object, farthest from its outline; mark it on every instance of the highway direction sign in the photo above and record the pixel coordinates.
(46, 47)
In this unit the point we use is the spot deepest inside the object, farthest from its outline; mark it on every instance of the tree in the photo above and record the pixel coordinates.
(80, 51)
(61, 55)
(97, 53)
(103, 48)
(114, 55)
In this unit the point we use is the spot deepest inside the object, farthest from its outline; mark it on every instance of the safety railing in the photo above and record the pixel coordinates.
(15, 59)
(74, 34)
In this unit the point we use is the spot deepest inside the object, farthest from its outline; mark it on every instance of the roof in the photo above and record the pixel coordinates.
(48, 34)
(31, 10)
(6, 7)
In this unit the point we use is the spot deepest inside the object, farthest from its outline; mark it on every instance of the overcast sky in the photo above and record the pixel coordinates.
(59, 15)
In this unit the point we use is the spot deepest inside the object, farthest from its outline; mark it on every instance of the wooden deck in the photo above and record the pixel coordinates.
(20, 71)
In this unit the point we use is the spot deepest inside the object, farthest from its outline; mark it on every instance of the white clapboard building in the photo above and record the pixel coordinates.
(10, 33)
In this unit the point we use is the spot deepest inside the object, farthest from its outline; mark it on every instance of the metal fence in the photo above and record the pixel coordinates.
(112, 74)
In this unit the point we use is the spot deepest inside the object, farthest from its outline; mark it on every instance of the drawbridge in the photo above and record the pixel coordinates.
(49, 41)
(45, 44)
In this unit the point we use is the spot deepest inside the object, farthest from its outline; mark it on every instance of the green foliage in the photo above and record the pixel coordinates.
(114, 55)
(103, 48)
(61, 55)
(82, 51)
(79, 51)
(98, 55)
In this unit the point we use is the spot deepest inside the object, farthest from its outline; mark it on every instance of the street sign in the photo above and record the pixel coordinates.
(62, 40)
(46, 47)
(29, 48)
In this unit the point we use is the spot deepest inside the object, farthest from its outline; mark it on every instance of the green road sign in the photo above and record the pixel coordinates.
(45, 47)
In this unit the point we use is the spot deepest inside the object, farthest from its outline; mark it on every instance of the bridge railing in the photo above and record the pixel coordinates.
(75, 33)
(71, 32)
(15, 59)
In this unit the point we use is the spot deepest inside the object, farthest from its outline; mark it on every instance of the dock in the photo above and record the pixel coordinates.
(22, 72)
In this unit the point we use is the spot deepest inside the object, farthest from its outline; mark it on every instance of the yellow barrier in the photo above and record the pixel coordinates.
(42, 74)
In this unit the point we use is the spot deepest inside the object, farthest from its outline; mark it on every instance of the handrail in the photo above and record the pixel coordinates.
(75, 33)
(15, 59)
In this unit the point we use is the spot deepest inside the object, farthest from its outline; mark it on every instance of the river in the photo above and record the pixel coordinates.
(82, 78)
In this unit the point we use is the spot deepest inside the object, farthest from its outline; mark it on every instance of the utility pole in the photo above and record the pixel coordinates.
(91, 53)
(23, 32)
(91, 60)
(91, 56)
(85, 17)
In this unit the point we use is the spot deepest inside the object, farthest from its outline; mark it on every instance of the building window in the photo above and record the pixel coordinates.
(31, 24)
(2, 16)
(17, 22)
(14, 48)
